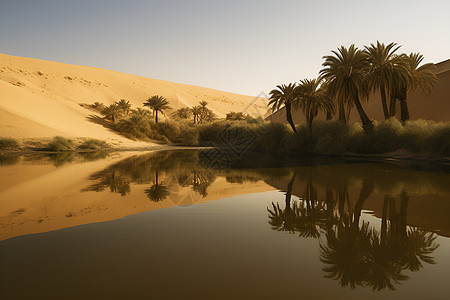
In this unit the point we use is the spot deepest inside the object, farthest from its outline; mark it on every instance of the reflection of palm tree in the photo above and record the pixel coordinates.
(284, 220)
(344, 254)
(157, 192)
(201, 180)
(346, 247)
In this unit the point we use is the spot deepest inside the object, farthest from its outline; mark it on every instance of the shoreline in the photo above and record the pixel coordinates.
(398, 157)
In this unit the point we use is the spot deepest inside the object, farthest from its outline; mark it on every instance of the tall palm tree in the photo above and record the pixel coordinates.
(287, 96)
(382, 62)
(112, 111)
(345, 73)
(157, 103)
(419, 77)
(124, 105)
(313, 98)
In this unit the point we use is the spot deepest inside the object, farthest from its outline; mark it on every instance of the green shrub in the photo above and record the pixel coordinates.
(93, 144)
(8, 144)
(61, 144)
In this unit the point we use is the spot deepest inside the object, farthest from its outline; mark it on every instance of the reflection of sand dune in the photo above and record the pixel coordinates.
(41, 98)
(39, 197)
(433, 107)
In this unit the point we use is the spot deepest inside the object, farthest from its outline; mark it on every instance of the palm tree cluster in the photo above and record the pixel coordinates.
(115, 110)
(347, 79)
(201, 113)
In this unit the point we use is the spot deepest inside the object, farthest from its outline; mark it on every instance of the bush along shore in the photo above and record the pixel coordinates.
(56, 144)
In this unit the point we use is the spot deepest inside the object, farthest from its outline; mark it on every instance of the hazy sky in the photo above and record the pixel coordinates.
(239, 46)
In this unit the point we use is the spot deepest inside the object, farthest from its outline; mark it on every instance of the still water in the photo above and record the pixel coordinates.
(175, 225)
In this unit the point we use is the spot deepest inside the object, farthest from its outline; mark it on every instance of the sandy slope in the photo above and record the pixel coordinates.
(435, 106)
(41, 98)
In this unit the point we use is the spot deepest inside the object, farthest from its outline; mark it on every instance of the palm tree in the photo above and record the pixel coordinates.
(382, 62)
(182, 113)
(205, 114)
(420, 78)
(312, 98)
(157, 103)
(287, 96)
(196, 111)
(112, 111)
(134, 125)
(345, 73)
(140, 112)
(98, 106)
(124, 105)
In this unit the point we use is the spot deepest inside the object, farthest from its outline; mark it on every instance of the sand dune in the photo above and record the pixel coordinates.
(435, 106)
(40, 99)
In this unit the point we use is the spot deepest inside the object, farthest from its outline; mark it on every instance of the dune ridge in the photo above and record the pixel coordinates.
(41, 99)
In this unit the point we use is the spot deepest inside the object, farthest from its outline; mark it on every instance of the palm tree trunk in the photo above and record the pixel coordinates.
(384, 102)
(289, 118)
(310, 121)
(404, 111)
(342, 113)
(367, 124)
(392, 106)
(156, 116)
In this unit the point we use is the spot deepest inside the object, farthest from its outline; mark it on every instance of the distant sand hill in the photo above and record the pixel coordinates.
(433, 107)
(40, 99)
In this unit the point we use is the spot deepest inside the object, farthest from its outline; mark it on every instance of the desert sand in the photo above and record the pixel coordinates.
(435, 106)
(41, 99)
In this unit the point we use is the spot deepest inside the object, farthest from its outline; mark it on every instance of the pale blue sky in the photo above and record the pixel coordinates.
(239, 46)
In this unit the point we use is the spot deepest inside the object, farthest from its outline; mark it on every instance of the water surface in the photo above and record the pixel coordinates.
(172, 225)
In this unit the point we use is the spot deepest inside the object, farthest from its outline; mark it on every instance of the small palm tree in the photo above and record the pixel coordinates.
(182, 113)
(284, 96)
(134, 125)
(312, 98)
(124, 105)
(345, 73)
(112, 111)
(157, 103)
(382, 64)
(196, 112)
(98, 106)
(235, 116)
(140, 112)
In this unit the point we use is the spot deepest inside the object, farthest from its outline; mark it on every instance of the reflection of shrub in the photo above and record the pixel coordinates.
(61, 144)
(8, 144)
(93, 144)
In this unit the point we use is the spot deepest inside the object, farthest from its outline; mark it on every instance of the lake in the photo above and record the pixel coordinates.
(190, 225)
